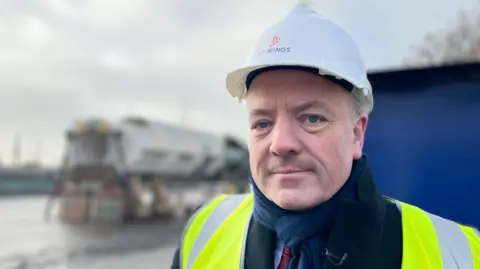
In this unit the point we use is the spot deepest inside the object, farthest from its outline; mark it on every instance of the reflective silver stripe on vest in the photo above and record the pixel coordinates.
(213, 222)
(454, 246)
(456, 252)
(190, 220)
(244, 244)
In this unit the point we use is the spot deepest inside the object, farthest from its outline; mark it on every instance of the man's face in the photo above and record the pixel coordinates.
(303, 137)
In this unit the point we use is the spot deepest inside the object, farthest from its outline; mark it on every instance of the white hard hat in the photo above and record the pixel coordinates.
(305, 39)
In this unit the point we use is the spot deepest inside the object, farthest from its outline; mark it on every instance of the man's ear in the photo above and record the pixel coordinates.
(359, 135)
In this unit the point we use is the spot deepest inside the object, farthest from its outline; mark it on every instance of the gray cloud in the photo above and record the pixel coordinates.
(67, 59)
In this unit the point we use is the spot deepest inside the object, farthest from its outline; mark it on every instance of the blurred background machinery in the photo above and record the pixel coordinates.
(137, 169)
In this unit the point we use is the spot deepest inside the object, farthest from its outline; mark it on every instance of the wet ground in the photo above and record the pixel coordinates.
(27, 240)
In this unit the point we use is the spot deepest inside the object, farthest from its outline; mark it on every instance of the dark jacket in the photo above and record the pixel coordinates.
(369, 231)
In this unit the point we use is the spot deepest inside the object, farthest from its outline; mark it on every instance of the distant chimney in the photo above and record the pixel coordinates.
(17, 150)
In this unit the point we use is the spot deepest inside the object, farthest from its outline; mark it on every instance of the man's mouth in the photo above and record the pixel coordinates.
(289, 170)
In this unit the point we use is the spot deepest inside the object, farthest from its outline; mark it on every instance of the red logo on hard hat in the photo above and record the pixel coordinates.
(273, 48)
(275, 41)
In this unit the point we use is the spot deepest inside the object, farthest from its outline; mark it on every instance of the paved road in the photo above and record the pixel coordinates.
(28, 241)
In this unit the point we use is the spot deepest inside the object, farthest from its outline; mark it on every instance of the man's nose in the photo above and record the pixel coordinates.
(284, 139)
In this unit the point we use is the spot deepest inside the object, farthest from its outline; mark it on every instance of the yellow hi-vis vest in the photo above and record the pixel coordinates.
(215, 237)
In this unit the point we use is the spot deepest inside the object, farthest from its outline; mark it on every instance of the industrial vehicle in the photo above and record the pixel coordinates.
(109, 165)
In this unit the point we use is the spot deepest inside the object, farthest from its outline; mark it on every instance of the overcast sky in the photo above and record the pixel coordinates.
(66, 59)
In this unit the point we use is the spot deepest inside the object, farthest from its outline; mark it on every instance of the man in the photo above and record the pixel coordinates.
(314, 202)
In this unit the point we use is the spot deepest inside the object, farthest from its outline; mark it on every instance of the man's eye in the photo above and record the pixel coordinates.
(262, 124)
(313, 119)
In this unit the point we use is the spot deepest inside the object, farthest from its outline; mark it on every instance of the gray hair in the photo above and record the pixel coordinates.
(360, 103)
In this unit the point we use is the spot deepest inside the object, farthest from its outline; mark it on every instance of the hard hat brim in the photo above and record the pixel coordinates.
(236, 80)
